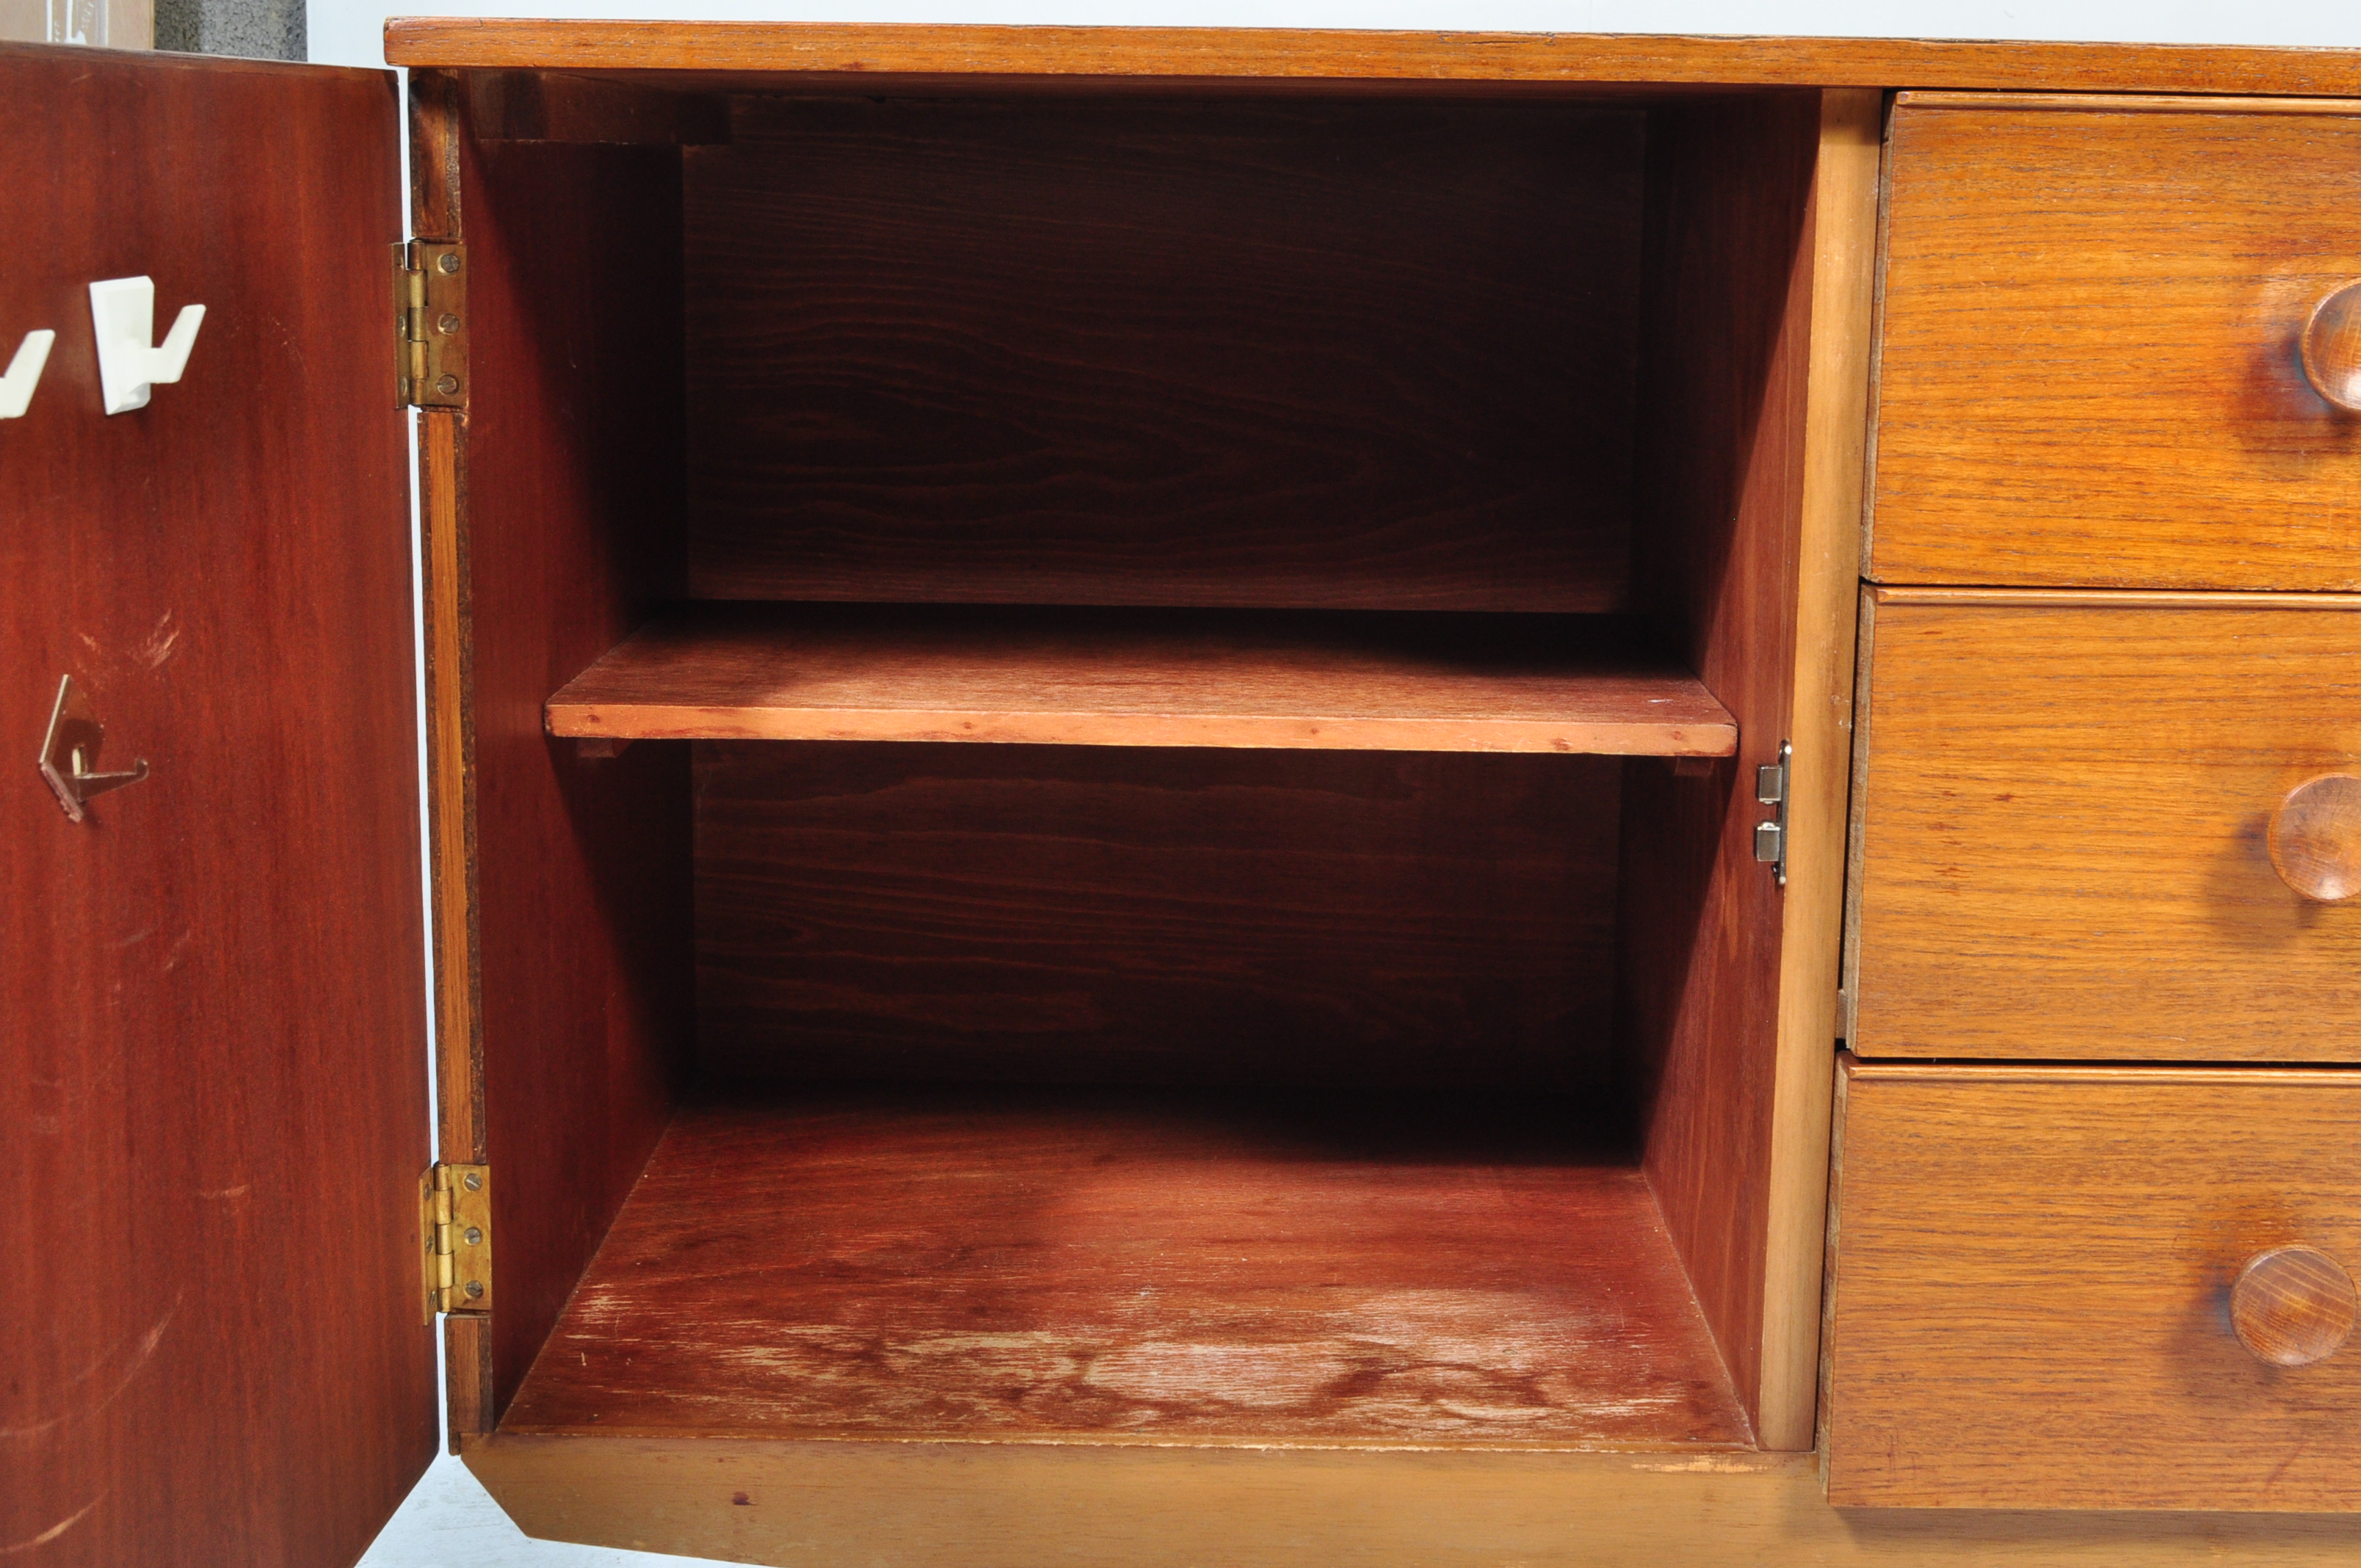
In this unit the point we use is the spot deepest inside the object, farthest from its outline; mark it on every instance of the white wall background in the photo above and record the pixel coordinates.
(448, 1521)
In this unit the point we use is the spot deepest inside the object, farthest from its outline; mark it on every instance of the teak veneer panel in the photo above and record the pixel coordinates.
(1103, 915)
(1351, 680)
(1231, 53)
(1061, 1506)
(213, 1112)
(2033, 1273)
(1191, 350)
(2088, 373)
(1331, 1270)
(2061, 820)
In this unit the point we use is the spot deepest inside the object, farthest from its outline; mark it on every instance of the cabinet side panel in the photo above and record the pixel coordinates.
(1844, 226)
(1720, 481)
(571, 466)
(212, 1101)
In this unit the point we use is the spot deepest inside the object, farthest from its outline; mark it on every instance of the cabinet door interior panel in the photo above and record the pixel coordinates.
(2064, 817)
(2036, 1273)
(2089, 375)
(1108, 350)
(213, 1107)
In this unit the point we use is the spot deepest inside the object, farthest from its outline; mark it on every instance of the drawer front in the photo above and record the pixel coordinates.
(2063, 810)
(2041, 1277)
(2090, 371)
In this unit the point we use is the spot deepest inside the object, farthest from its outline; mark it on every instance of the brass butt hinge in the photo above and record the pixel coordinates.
(455, 1229)
(430, 310)
(1771, 790)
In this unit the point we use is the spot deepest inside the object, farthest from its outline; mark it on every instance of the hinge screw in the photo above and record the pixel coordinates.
(474, 1236)
(472, 1182)
(448, 261)
(475, 1289)
(446, 384)
(448, 324)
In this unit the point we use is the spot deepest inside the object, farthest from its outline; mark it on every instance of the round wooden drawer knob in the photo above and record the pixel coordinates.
(2316, 837)
(2294, 1306)
(2332, 348)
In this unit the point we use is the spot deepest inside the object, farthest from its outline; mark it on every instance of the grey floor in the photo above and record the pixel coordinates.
(449, 1522)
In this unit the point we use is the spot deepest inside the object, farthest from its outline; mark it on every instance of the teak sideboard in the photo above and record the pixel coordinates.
(1662, 871)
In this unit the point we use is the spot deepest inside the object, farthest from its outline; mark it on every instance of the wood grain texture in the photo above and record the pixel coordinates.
(1207, 917)
(2063, 818)
(210, 1062)
(1296, 53)
(1844, 268)
(547, 106)
(1044, 1506)
(1144, 678)
(1198, 351)
(1723, 421)
(569, 508)
(2294, 1306)
(1332, 1269)
(2089, 373)
(2033, 1289)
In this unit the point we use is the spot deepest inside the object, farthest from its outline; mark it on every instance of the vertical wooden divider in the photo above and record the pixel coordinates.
(434, 132)
(1836, 433)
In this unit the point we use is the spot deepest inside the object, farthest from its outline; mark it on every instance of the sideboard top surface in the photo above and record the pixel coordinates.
(1312, 54)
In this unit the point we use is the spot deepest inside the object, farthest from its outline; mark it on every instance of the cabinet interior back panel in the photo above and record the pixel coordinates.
(1208, 916)
(1345, 352)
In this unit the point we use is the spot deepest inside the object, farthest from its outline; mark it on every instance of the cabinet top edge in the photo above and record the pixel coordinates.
(1315, 54)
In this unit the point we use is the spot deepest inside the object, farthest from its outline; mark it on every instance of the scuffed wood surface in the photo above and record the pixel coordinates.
(873, 50)
(1028, 914)
(211, 1011)
(1042, 1506)
(1109, 1270)
(1188, 351)
(1143, 678)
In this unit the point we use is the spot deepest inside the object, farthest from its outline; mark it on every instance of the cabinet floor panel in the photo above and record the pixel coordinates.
(1351, 680)
(1088, 1266)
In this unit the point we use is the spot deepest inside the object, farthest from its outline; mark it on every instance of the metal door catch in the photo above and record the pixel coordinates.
(70, 754)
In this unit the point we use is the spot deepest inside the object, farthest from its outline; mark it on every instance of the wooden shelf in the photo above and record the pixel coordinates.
(1048, 1266)
(1311, 679)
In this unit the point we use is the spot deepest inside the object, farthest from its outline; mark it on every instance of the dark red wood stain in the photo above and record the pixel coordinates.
(213, 1094)
(1208, 351)
(1325, 1270)
(1128, 916)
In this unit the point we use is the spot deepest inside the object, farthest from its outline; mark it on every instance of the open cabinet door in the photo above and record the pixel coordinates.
(212, 1080)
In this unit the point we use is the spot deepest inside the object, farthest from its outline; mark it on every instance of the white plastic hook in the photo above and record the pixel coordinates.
(122, 310)
(24, 373)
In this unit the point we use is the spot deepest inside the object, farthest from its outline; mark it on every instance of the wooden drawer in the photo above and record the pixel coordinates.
(2036, 1273)
(2090, 372)
(2063, 813)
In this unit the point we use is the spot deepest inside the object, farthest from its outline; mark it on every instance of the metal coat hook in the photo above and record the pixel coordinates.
(122, 310)
(24, 373)
(71, 750)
